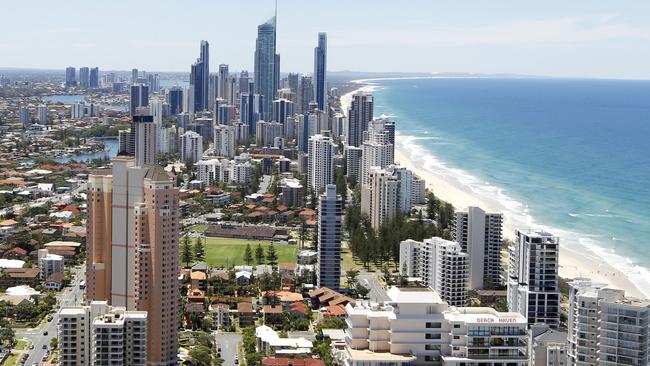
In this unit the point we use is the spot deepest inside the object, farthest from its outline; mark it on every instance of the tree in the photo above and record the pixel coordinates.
(199, 250)
(54, 342)
(6, 334)
(271, 255)
(248, 255)
(259, 254)
(201, 356)
(351, 278)
(362, 290)
(186, 251)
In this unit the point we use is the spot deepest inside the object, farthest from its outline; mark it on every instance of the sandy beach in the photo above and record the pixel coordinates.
(573, 264)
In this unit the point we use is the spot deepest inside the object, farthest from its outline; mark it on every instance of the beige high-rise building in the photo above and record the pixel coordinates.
(133, 248)
(379, 197)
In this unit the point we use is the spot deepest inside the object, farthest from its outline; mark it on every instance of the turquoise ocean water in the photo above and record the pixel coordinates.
(572, 156)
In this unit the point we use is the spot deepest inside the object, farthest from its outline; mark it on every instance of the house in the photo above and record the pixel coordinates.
(193, 308)
(327, 297)
(196, 296)
(7, 228)
(220, 316)
(198, 280)
(287, 298)
(287, 270)
(334, 311)
(273, 314)
(200, 266)
(299, 310)
(19, 276)
(268, 341)
(307, 256)
(16, 253)
(246, 314)
(243, 278)
(54, 282)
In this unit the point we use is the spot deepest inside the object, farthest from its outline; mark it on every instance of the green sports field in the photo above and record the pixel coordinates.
(230, 252)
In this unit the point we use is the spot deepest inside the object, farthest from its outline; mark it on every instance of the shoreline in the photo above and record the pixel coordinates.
(573, 264)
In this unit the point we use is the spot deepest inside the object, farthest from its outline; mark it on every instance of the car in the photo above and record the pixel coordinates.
(31, 346)
(49, 318)
(45, 333)
(45, 346)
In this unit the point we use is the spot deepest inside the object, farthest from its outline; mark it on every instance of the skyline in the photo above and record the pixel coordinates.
(535, 39)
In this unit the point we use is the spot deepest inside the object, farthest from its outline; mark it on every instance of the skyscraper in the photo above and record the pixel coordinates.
(94, 77)
(330, 213)
(379, 196)
(191, 147)
(175, 100)
(533, 283)
(84, 77)
(321, 162)
(377, 151)
(267, 68)
(223, 89)
(139, 97)
(42, 114)
(70, 76)
(304, 94)
(200, 79)
(145, 140)
(359, 115)
(134, 76)
(132, 250)
(320, 71)
(480, 235)
(282, 108)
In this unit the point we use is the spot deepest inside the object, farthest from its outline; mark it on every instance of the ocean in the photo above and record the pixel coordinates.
(571, 156)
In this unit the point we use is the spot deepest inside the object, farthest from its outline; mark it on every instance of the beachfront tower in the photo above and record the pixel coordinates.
(480, 234)
(359, 115)
(533, 283)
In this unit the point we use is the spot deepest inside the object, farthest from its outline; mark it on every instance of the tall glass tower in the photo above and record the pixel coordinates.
(320, 71)
(267, 65)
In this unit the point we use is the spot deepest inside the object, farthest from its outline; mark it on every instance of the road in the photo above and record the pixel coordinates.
(371, 281)
(71, 296)
(265, 182)
(228, 343)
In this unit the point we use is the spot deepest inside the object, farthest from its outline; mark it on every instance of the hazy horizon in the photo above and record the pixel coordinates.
(581, 39)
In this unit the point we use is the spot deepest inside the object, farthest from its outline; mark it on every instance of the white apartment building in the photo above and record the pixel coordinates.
(377, 151)
(605, 327)
(480, 235)
(379, 196)
(49, 263)
(415, 327)
(191, 146)
(546, 346)
(440, 264)
(99, 334)
(225, 141)
(320, 171)
(238, 171)
(418, 193)
(533, 287)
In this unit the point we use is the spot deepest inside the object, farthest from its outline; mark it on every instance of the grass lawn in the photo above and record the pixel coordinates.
(230, 252)
(22, 344)
(12, 359)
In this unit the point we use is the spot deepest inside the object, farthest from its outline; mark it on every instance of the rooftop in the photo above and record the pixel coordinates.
(367, 355)
(422, 295)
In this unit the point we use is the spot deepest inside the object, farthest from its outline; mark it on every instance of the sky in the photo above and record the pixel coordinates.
(576, 38)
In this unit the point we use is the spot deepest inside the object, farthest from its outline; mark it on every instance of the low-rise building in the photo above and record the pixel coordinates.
(417, 327)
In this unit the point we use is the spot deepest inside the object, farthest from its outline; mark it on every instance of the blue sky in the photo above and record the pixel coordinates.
(581, 38)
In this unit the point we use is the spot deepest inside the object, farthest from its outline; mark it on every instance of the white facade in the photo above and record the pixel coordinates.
(321, 162)
(440, 264)
(377, 151)
(480, 234)
(191, 146)
(224, 141)
(330, 217)
(418, 192)
(353, 156)
(605, 327)
(223, 170)
(101, 334)
(42, 114)
(415, 327)
(533, 287)
(49, 263)
(379, 196)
